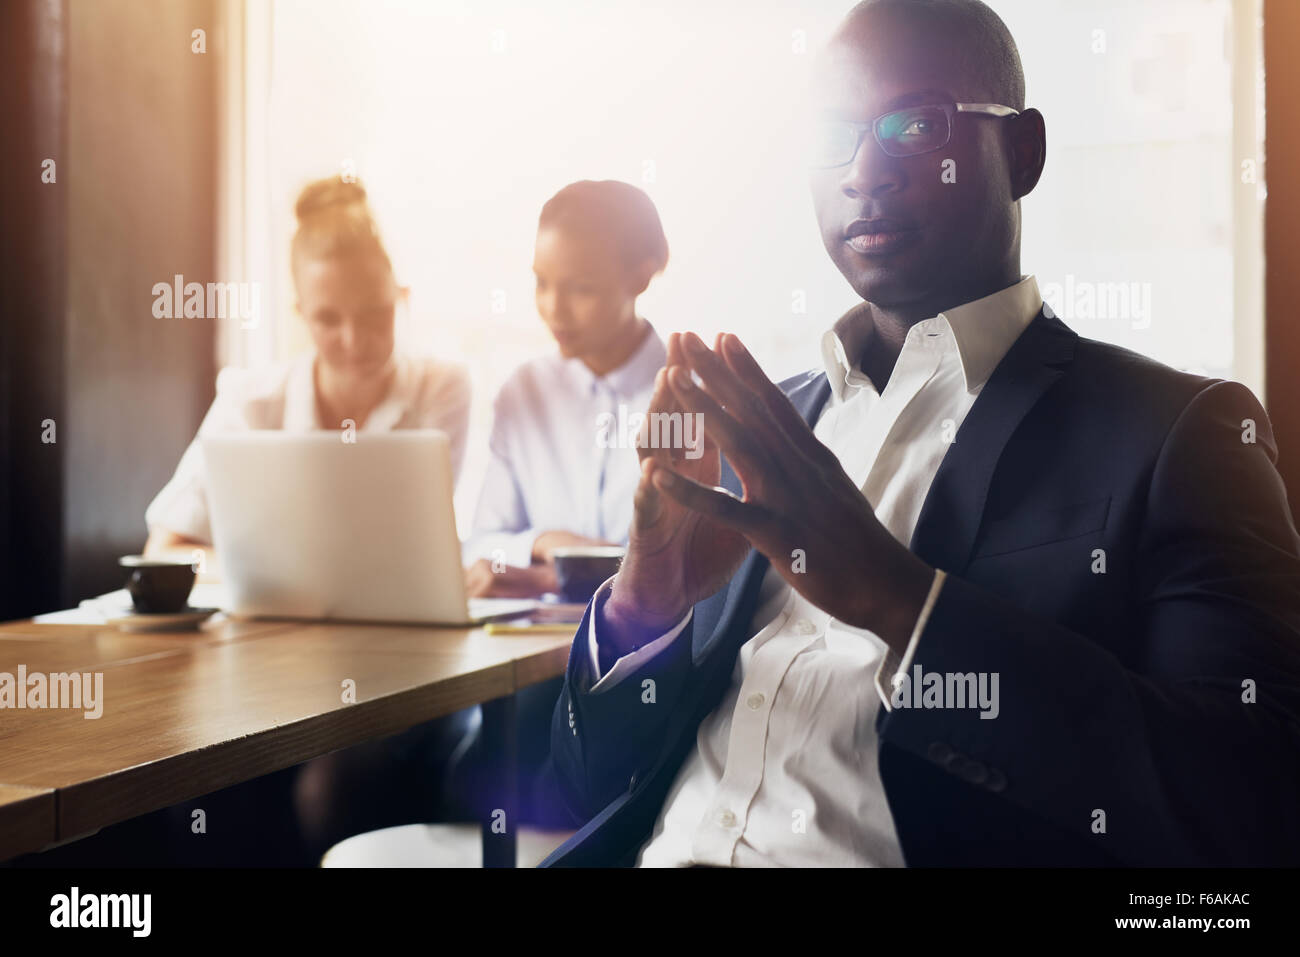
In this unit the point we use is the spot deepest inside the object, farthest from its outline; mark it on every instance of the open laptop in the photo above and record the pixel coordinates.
(306, 525)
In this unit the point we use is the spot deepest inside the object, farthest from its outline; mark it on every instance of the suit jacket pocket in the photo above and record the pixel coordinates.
(1041, 527)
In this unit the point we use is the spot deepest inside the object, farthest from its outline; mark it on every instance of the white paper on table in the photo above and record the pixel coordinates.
(115, 604)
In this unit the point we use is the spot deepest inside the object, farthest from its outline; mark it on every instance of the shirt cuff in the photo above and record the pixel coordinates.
(633, 660)
(891, 666)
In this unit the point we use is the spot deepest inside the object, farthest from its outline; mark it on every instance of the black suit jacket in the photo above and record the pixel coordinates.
(1120, 552)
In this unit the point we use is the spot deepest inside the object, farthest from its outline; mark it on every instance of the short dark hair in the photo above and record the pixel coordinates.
(987, 50)
(612, 209)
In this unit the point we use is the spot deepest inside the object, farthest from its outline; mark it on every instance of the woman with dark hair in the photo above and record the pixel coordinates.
(561, 474)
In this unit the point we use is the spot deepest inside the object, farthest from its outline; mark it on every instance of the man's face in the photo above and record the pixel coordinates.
(920, 228)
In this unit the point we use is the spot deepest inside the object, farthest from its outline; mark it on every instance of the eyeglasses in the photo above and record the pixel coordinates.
(905, 132)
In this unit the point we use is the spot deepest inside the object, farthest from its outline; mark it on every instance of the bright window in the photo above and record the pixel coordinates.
(462, 118)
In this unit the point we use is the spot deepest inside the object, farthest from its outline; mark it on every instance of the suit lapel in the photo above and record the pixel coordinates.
(810, 395)
(950, 516)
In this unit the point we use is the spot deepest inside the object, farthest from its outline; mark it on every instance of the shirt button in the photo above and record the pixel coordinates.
(755, 701)
(727, 819)
(805, 627)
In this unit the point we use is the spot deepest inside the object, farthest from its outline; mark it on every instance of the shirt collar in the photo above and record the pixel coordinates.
(847, 338)
(983, 330)
(300, 409)
(634, 375)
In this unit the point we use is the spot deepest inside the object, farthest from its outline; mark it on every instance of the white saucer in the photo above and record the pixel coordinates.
(183, 620)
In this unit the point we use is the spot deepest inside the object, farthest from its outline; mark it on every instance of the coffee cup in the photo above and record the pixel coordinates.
(581, 569)
(158, 585)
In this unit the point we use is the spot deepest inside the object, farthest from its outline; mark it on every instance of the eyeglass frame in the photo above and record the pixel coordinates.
(949, 107)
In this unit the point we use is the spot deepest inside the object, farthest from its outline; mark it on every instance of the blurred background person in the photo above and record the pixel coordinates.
(562, 472)
(559, 475)
(348, 295)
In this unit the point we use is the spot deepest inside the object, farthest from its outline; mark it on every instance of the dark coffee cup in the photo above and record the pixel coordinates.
(580, 570)
(158, 585)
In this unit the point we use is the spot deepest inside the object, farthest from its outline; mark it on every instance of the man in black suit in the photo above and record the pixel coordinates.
(984, 592)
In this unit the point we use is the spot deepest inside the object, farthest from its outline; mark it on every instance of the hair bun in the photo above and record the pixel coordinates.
(328, 195)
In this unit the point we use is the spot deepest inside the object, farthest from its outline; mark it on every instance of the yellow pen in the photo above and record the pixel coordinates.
(506, 628)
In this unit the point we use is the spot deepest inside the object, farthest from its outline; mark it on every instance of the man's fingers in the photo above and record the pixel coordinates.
(721, 383)
(675, 355)
(747, 369)
(716, 503)
(777, 403)
(646, 501)
(736, 441)
(663, 400)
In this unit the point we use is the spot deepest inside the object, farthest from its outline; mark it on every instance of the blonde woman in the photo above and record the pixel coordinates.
(347, 294)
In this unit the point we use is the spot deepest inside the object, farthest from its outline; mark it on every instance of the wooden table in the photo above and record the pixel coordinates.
(187, 713)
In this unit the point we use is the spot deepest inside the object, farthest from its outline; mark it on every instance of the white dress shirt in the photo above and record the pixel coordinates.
(426, 393)
(562, 455)
(785, 769)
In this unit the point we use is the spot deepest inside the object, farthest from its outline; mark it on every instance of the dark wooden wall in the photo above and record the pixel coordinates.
(34, 91)
(1282, 235)
(112, 91)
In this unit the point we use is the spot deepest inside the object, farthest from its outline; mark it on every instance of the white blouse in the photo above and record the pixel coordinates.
(563, 453)
(427, 393)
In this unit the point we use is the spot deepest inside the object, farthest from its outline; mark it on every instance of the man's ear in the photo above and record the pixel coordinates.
(1027, 136)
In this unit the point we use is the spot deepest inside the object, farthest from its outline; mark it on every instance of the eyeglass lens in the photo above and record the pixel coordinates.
(904, 132)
